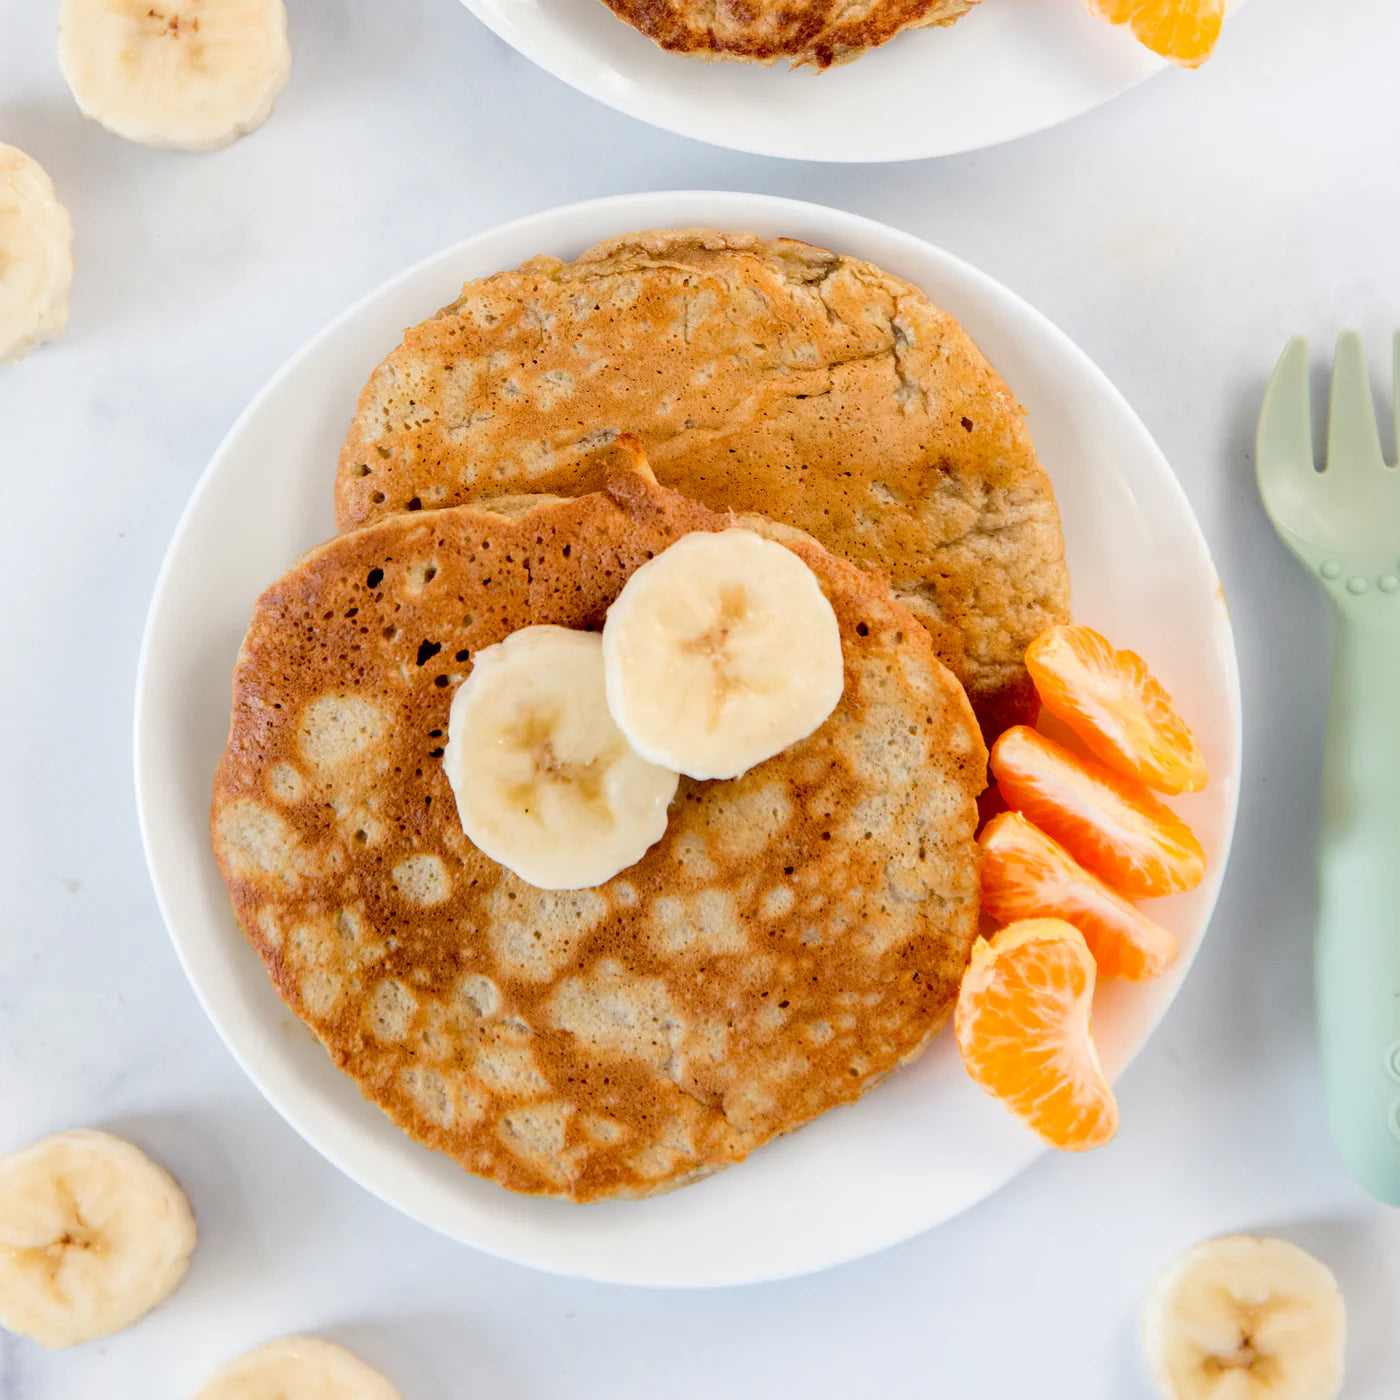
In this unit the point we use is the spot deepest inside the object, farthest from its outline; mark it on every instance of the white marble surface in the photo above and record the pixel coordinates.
(1179, 235)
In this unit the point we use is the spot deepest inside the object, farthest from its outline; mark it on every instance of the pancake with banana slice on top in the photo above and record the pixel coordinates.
(795, 934)
(760, 375)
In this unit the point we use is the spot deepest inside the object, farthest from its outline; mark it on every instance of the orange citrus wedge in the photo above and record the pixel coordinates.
(1026, 875)
(1117, 707)
(1184, 31)
(1023, 1028)
(1112, 825)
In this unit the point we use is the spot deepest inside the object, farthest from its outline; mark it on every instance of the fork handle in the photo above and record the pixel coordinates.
(1358, 929)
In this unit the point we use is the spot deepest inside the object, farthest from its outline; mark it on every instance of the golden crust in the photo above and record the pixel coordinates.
(815, 32)
(760, 375)
(796, 935)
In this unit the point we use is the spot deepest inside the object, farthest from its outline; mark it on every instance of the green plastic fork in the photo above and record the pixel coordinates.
(1343, 523)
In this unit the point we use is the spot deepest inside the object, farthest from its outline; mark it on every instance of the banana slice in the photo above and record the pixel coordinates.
(92, 1236)
(190, 74)
(545, 782)
(36, 257)
(1238, 1318)
(298, 1368)
(721, 652)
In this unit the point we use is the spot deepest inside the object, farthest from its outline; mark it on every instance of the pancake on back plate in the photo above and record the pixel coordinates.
(815, 32)
(765, 376)
(796, 934)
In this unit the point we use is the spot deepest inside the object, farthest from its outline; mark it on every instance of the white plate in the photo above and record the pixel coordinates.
(1006, 69)
(920, 1147)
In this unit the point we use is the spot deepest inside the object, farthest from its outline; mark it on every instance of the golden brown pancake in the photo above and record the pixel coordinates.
(816, 32)
(797, 934)
(760, 376)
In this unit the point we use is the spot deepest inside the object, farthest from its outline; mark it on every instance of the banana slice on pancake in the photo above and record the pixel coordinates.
(545, 781)
(721, 652)
(93, 1235)
(1240, 1318)
(36, 256)
(298, 1368)
(189, 74)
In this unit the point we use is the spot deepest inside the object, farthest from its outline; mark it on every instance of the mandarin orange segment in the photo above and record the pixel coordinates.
(1026, 875)
(1112, 825)
(1117, 708)
(1184, 31)
(1023, 1026)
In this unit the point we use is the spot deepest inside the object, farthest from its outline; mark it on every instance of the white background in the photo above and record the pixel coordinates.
(1179, 234)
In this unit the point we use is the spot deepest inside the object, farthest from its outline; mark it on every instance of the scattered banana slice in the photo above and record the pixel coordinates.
(1239, 1317)
(298, 1368)
(192, 74)
(545, 782)
(36, 257)
(92, 1236)
(721, 652)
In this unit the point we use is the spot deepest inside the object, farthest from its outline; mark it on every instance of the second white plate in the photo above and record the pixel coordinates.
(921, 1146)
(1006, 69)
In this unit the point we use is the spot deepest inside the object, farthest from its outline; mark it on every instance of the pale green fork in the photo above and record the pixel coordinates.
(1343, 523)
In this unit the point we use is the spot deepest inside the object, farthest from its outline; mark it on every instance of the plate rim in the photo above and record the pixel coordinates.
(743, 207)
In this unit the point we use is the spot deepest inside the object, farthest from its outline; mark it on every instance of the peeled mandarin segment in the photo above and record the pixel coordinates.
(1026, 875)
(1184, 31)
(1112, 825)
(1116, 707)
(1023, 1027)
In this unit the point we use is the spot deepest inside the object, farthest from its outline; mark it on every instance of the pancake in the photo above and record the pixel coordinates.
(816, 32)
(760, 376)
(797, 933)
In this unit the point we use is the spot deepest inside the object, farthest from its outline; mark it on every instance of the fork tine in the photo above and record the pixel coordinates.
(1284, 447)
(1395, 395)
(1353, 440)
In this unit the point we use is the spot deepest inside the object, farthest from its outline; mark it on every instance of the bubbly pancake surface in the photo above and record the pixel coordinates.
(816, 32)
(797, 934)
(766, 376)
